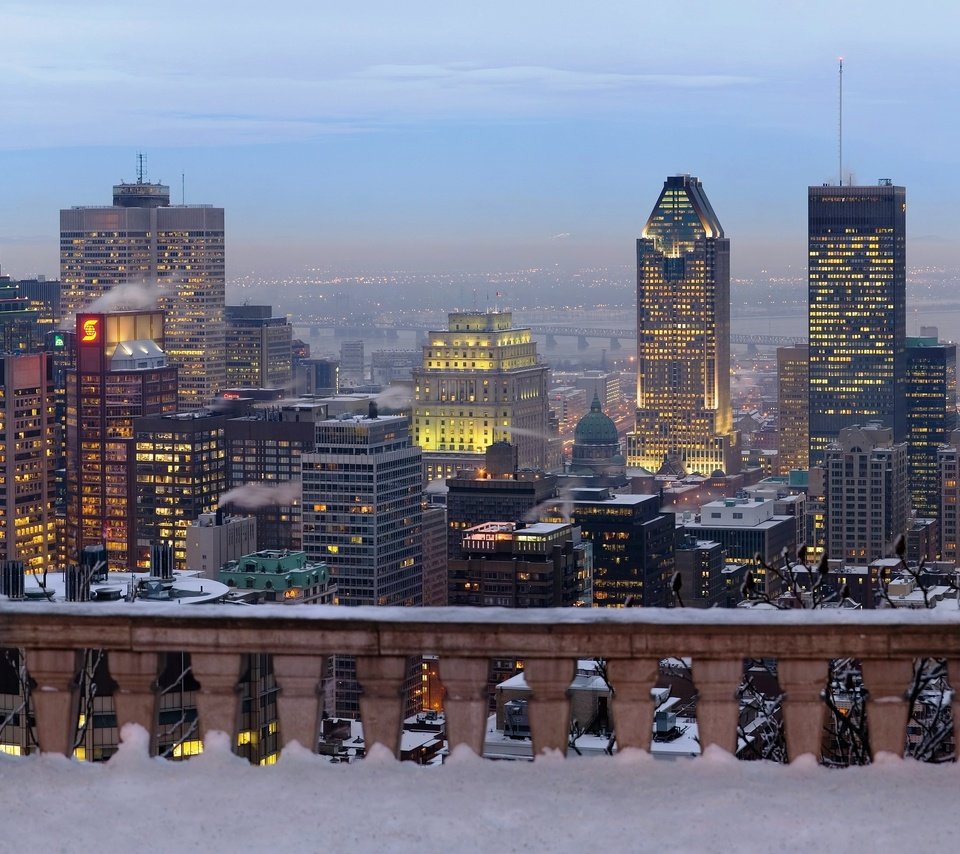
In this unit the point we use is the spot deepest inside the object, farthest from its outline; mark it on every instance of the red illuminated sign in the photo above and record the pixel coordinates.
(88, 329)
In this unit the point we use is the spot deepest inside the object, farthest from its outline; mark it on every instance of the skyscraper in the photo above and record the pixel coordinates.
(481, 382)
(684, 421)
(28, 455)
(175, 253)
(857, 305)
(121, 373)
(793, 407)
(258, 347)
(931, 392)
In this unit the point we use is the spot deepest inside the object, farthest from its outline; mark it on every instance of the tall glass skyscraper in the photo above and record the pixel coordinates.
(857, 305)
(684, 421)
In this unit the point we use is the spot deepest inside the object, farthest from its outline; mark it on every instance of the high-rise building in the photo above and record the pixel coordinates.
(20, 330)
(175, 254)
(121, 374)
(857, 310)
(214, 539)
(28, 456)
(319, 377)
(362, 508)
(948, 472)
(362, 492)
(258, 347)
(684, 420)
(181, 473)
(481, 382)
(265, 448)
(793, 407)
(434, 527)
(931, 392)
(868, 502)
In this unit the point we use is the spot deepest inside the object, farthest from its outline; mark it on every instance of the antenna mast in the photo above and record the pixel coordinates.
(141, 169)
(840, 127)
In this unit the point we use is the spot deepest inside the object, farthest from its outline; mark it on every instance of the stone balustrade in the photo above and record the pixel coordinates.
(464, 639)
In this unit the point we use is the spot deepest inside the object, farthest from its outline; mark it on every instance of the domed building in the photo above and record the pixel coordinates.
(596, 447)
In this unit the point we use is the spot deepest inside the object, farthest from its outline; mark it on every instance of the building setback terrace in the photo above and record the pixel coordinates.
(627, 803)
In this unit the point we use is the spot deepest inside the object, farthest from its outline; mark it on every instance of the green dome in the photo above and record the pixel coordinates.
(595, 428)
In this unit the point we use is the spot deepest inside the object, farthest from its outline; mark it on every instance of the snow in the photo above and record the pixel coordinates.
(218, 803)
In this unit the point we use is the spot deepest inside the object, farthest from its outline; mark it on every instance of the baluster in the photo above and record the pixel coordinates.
(135, 699)
(802, 682)
(549, 708)
(298, 678)
(381, 699)
(465, 700)
(886, 681)
(717, 707)
(631, 681)
(218, 699)
(53, 698)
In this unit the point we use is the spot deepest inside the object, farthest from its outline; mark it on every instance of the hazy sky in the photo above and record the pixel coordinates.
(447, 135)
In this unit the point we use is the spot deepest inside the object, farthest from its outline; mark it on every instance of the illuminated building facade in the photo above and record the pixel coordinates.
(931, 390)
(857, 310)
(362, 515)
(176, 253)
(868, 502)
(633, 544)
(122, 373)
(180, 474)
(29, 438)
(258, 347)
(948, 471)
(684, 420)
(481, 382)
(793, 407)
(20, 330)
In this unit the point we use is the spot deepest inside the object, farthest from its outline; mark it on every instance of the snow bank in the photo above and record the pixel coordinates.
(218, 803)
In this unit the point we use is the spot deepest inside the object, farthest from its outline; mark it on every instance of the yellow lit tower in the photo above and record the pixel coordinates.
(684, 421)
(481, 382)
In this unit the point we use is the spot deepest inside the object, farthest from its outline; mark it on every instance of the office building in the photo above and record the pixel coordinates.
(684, 421)
(481, 382)
(495, 490)
(29, 438)
(793, 408)
(173, 254)
(283, 576)
(868, 501)
(602, 384)
(258, 347)
(121, 374)
(948, 473)
(44, 295)
(931, 392)
(434, 528)
(180, 474)
(520, 565)
(362, 508)
(633, 544)
(320, 377)
(857, 310)
(214, 539)
(362, 514)
(265, 447)
(20, 330)
(352, 364)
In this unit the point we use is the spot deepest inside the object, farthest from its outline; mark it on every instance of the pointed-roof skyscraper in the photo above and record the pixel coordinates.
(684, 421)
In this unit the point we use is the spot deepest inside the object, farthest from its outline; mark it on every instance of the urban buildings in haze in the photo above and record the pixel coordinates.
(684, 420)
(857, 310)
(168, 255)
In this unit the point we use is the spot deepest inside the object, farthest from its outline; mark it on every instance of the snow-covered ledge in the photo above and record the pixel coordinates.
(550, 641)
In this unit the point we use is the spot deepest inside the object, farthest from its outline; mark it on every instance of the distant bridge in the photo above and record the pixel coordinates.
(550, 332)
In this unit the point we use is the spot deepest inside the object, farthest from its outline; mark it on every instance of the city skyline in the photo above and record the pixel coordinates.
(467, 139)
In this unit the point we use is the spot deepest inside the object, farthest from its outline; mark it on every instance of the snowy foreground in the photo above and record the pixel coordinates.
(218, 803)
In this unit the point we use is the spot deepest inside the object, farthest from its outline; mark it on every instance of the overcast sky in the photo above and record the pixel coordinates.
(447, 136)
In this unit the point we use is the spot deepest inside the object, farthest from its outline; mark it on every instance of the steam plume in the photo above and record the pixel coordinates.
(252, 496)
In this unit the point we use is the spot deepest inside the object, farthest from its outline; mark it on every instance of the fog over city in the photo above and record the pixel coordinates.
(440, 139)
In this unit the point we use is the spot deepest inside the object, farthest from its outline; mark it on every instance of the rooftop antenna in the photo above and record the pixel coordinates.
(840, 127)
(183, 188)
(141, 169)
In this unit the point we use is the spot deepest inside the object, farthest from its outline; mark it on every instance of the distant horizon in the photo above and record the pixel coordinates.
(442, 139)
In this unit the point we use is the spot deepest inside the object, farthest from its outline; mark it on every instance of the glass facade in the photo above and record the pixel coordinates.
(684, 420)
(857, 310)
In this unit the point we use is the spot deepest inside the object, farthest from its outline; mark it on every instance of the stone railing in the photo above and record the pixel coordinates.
(464, 639)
